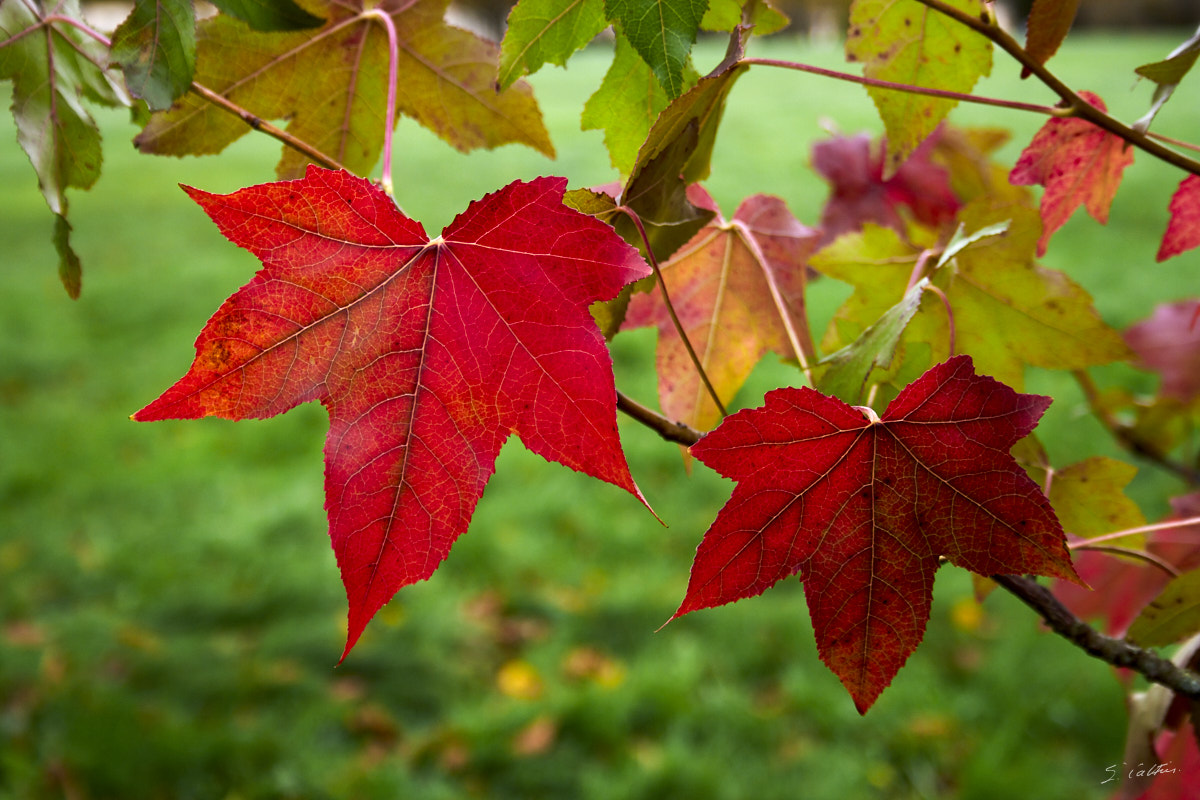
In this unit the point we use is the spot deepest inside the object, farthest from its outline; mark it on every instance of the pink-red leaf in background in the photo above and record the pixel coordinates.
(863, 509)
(854, 168)
(1078, 163)
(426, 354)
(1183, 231)
(1169, 343)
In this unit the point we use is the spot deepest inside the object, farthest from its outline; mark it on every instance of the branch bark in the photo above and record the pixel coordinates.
(1117, 652)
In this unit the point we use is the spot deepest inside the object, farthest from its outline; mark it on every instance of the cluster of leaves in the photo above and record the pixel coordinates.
(429, 353)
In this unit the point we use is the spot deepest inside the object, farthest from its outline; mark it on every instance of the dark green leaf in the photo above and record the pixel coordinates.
(156, 48)
(662, 32)
(269, 15)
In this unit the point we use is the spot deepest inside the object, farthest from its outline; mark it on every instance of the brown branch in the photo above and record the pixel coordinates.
(1073, 104)
(1127, 437)
(1130, 552)
(662, 287)
(905, 87)
(671, 431)
(259, 124)
(1117, 652)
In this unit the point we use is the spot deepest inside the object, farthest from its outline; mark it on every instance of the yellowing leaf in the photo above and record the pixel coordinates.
(904, 41)
(1172, 616)
(1008, 311)
(447, 83)
(1049, 21)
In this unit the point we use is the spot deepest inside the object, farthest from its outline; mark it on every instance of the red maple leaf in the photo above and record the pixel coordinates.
(854, 168)
(864, 507)
(426, 354)
(1078, 163)
(1183, 231)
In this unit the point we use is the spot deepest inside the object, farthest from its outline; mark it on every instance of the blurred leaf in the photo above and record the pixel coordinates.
(53, 68)
(269, 15)
(1183, 231)
(1172, 616)
(1169, 343)
(1049, 21)
(448, 85)
(156, 48)
(725, 15)
(1167, 74)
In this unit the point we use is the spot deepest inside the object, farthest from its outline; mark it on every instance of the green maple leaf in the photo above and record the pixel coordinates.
(546, 30)
(662, 32)
(53, 68)
(904, 41)
(1008, 311)
(626, 105)
(330, 84)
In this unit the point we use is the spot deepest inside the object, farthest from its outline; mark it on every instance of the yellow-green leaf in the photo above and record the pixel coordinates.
(1172, 616)
(447, 83)
(904, 41)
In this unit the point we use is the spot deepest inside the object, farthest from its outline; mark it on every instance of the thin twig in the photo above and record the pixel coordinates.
(1127, 437)
(259, 124)
(1158, 526)
(389, 120)
(671, 431)
(905, 87)
(1074, 105)
(662, 287)
(1131, 552)
(1117, 652)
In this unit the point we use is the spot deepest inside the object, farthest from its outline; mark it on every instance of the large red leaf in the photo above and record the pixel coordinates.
(427, 354)
(863, 508)
(1078, 163)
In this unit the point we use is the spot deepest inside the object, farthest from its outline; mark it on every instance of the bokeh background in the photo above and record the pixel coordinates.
(170, 610)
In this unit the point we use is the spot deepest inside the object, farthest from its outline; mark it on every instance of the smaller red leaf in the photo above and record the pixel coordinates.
(1183, 231)
(1079, 163)
(853, 165)
(863, 508)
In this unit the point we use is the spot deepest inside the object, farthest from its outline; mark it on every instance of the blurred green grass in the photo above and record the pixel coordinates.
(170, 611)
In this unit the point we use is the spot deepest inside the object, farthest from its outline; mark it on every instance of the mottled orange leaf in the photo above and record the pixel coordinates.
(738, 289)
(1079, 163)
